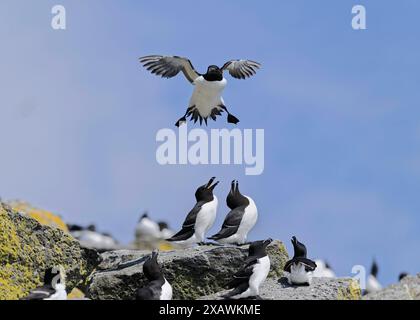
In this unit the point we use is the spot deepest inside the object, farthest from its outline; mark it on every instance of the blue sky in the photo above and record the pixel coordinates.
(339, 108)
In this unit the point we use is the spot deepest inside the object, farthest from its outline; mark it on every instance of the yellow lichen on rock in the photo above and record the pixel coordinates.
(44, 217)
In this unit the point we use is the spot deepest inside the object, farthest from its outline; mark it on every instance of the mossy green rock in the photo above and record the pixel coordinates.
(27, 248)
(193, 272)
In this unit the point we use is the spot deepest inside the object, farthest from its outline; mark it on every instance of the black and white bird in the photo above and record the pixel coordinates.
(147, 230)
(323, 270)
(158, 288)
(54, 287)
(91, 237)
(165, 231)
(201, 218)
(240, 220)
(299, 267)
(372, 283)
(206, 101)
(247, 281)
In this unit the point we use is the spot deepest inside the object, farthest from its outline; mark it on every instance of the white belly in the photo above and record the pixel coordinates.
(298, 274)
(259, 274)
(248, 222)
(205, 219)
(60, 293)
(372, 285)
(207, 95)
(166, 291)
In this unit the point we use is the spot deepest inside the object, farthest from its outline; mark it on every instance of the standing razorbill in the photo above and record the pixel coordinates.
(240, 220)
(147, 230)
(201, 218)
(372, 283)
(158, 287)
(54, 287)
(247, 281)
(323, 270)
(206, 100)
(299, 266)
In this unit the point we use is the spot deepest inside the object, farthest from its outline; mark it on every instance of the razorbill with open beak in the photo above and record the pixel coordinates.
(147, 230)
(299, 267)
(240, 220)
(54, 287)
(372, 283)
(323, 270)
(206, 101)
(201, 218)
(158, 288)
(247, 281)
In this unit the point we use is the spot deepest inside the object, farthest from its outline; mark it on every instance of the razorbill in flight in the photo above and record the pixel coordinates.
(323, 270)
(54, 287)
(206, 100)
(372, 283)
(240, 220)
(147, 230)
(158, 288)
(299, 267)
(247, 281)
(201, 218)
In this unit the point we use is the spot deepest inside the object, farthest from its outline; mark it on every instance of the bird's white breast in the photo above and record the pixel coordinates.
(59, 294)
(166, 293)
(147, 228)
(372, 284)
(207, 95)
(259, 274)
(205, 218)
(298, 274)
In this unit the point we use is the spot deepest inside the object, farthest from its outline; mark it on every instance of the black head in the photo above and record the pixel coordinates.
(327, 265)
(299, 248)
(214, 73)
(163, 225)
(235, 198)
(374, 269)
(53, 276)
(402, 275)
(151, 268)
(91, 227)
(205, 192)
(144, 215)
(257, 248)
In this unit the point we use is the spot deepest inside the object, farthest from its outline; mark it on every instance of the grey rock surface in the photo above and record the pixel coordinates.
(320, 289)
(407, 289)
(193, 272)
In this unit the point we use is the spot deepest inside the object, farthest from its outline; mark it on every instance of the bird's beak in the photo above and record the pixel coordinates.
(214, 186)
(294, 240)
(155, 254)
(210, 182)
(268, 241)
(232, 186)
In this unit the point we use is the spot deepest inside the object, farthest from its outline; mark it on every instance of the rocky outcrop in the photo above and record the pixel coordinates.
(44, 217)
(27, 248)
(407, 289)
(320, 289)
(193, 272)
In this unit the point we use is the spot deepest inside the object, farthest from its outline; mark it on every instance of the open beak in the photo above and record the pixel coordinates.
(268, 241)
(209, 184)
(232, 186)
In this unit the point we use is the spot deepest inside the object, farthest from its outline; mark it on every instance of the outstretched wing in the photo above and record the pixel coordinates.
(241, 69)
(168, 67)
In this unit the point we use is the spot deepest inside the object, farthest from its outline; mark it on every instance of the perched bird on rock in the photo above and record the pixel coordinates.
(240, 220)
(299, 267)
(206, 101)
(201, 218)
(247, 281)
(157, 288)
(54, 287)
(372, 283)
